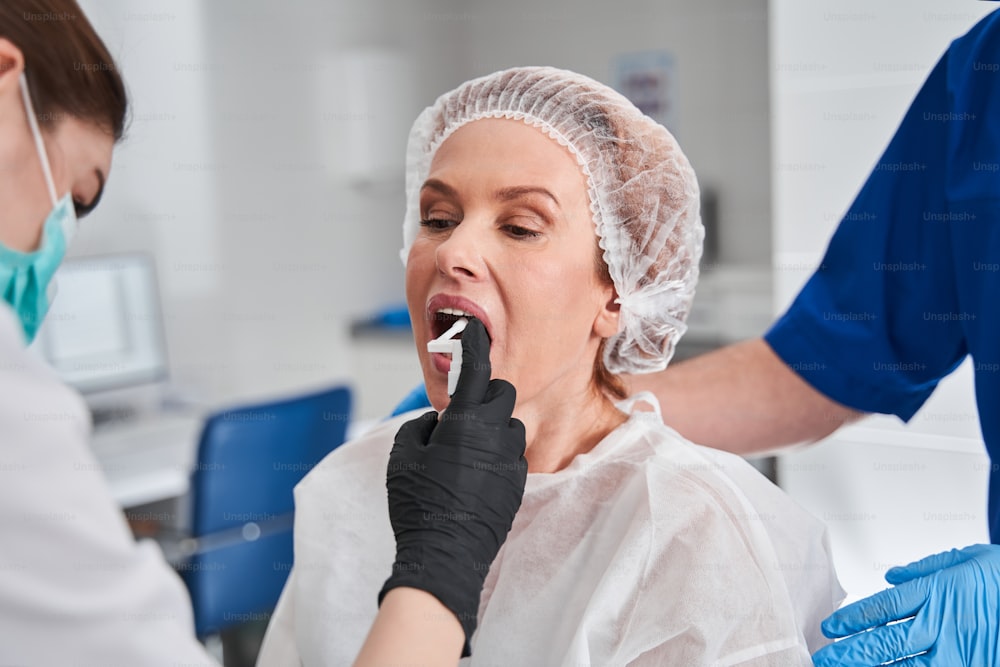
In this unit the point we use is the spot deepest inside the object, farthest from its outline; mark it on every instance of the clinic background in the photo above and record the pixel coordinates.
(264, 166)
(263, 171)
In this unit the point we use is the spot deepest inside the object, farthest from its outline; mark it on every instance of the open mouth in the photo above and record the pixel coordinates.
(444, 318)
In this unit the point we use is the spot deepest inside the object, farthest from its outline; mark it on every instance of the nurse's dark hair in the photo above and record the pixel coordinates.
(69, 69)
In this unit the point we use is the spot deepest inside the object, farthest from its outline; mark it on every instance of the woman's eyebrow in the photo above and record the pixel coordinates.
(503, 194)
(506, 194)
(440, 186)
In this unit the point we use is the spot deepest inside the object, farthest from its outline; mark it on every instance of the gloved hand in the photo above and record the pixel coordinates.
(455, 484)
(954, 599)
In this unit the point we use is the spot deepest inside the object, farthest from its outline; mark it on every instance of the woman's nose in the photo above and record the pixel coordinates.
(460, 255)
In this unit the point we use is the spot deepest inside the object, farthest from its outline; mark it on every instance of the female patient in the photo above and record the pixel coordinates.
(547, 206)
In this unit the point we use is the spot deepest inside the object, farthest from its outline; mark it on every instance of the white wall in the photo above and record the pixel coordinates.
(720, 54)
(264, 256)
(161, 198)
(843, 74)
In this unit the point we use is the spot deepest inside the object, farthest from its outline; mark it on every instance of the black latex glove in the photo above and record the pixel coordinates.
(455, 484)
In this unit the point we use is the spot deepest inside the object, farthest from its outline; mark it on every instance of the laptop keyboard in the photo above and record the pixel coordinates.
(119, 436)
(148, 459)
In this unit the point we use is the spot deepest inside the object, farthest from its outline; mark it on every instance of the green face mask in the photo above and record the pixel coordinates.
(26, 277)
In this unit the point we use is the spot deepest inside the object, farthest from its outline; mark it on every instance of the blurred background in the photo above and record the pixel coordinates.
(260, 192)
(264, 166)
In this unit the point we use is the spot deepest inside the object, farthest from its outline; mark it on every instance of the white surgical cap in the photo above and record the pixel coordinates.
(643, 193)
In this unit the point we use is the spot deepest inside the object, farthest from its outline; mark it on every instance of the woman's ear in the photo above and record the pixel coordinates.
(606, 322)
(11, 66)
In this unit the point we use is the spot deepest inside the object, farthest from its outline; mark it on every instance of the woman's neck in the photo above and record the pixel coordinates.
(557, 430)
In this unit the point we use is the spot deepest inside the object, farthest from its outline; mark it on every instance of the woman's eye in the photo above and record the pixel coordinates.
(521, 232)
(437, 224)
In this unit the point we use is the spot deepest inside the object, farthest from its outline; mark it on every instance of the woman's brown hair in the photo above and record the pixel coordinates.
(69, 69)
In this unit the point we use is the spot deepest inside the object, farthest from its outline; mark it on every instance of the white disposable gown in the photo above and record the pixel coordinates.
(648, 550)
(75, 587)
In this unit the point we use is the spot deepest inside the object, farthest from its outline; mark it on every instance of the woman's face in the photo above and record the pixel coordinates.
(507, 236)
(79, 154)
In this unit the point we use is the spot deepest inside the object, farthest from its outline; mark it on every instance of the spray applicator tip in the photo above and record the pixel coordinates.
(447, 344)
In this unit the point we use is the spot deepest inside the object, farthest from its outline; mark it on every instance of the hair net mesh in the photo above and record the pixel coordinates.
(643, 193)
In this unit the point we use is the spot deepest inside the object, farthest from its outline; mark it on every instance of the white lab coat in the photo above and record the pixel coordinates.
(648, 550)
(75, 587)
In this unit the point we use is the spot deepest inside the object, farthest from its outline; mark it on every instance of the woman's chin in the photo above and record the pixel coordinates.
(437, 393)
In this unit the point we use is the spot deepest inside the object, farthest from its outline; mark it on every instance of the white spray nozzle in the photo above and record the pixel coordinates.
(456, 328)
(445, 345)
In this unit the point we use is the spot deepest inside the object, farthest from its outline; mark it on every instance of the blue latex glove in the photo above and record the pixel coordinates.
(951, 601)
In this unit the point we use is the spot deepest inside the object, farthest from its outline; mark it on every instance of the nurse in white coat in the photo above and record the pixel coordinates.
(74, 585)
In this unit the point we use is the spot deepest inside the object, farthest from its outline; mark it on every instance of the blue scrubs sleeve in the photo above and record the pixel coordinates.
(878, 324)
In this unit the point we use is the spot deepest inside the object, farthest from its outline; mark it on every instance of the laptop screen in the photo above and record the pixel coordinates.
(104, 329)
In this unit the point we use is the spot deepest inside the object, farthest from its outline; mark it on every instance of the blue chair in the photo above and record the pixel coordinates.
(249, 460)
